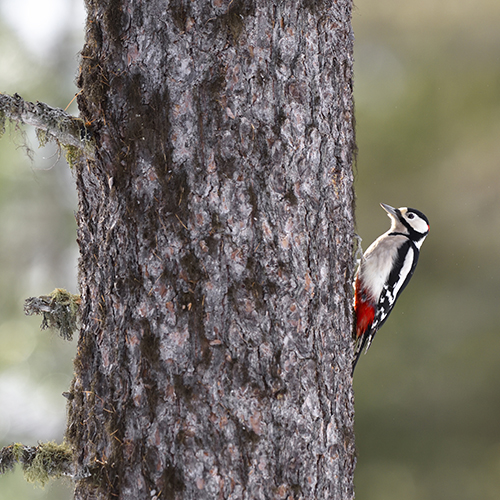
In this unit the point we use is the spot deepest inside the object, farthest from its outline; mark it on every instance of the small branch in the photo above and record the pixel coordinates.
(66, 129)
(39, 463)
(60, 311)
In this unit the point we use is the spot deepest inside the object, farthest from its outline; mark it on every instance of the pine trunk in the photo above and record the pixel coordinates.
(215, 227)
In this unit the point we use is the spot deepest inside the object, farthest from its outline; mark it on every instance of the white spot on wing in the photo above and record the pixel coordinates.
(405, 270)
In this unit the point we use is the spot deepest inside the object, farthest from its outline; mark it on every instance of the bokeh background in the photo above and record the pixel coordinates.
(427, 89)
(39, 43)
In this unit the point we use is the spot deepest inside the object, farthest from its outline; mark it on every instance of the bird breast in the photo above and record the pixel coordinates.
(377, 263)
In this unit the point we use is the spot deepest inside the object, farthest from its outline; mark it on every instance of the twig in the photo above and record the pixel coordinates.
(39, 463)
(66, 129)
(60, 310)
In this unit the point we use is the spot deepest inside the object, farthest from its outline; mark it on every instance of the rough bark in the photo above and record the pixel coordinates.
(215, 228)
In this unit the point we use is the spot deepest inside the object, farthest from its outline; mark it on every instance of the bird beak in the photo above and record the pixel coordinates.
(390, 210)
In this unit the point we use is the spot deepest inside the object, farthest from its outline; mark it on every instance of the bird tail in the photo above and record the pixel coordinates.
(362, 342)
(358, 349)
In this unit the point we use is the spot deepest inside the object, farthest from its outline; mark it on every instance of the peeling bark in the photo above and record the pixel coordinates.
(215, 227)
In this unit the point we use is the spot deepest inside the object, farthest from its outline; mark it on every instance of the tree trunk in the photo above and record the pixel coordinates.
(215, 227)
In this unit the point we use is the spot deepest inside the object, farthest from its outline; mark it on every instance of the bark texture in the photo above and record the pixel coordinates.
(215, 228)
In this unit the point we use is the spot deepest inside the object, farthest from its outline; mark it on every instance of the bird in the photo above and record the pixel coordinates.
(384, 271)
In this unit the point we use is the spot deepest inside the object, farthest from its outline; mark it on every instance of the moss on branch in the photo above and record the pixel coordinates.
(39, 463)
(60, 311)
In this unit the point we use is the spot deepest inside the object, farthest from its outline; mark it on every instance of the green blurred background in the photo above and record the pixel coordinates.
(427, 88)
(39, 43)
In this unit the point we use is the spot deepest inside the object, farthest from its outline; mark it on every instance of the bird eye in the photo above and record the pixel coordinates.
(411, 216)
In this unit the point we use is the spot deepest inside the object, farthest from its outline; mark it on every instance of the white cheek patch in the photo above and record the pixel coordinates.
(417, 223)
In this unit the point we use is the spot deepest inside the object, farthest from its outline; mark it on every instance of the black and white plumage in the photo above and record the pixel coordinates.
(385, 269)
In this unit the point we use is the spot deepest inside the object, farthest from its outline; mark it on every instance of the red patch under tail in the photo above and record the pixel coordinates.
(365, 311)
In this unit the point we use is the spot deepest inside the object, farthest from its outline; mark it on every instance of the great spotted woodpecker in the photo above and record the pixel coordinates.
(385, 269)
